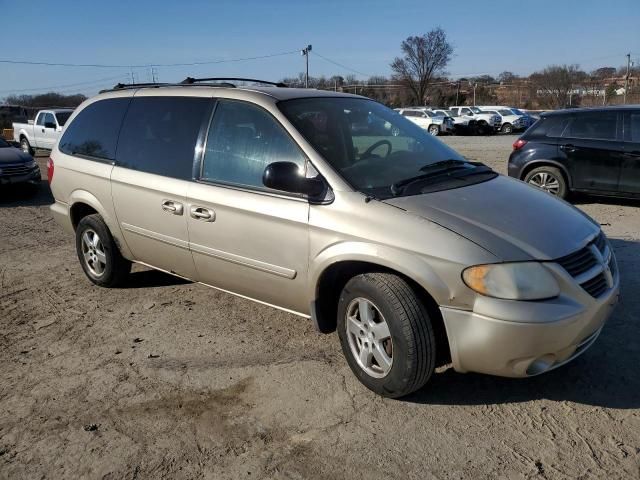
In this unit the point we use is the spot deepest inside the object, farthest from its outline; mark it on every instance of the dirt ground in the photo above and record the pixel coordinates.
(168, 379)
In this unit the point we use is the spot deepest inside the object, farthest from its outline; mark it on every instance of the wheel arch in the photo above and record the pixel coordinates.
(331, 278)
(551, 163)
(83, 203)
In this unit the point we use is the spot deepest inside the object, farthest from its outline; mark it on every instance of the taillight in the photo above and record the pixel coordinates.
(50, 170)
(518, 144)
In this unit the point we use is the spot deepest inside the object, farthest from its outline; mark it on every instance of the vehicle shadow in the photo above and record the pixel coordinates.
(23, 195)
(606, 375)
(583, 199)
(153, 278)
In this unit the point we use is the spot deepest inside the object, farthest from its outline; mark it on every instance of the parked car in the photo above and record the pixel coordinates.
(424, 118)
(17, 166)
(594, 150)
(43, 132)
(462, 124)
(415, 255)
(528, 119)
(509, 121)
(486, 123)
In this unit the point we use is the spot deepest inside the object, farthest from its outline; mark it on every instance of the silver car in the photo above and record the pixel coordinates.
(415, 255)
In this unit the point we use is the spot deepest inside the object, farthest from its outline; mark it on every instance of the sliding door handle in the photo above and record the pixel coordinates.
(173, 207)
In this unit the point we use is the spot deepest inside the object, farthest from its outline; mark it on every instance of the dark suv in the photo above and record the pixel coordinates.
(594, 150)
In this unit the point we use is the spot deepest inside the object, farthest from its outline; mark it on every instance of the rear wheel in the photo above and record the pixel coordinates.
(434, 130)
(98, 253)
(549, 179)
(386, 334)
(25, 146)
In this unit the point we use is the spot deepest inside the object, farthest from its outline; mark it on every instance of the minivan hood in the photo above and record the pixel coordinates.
(510, 219)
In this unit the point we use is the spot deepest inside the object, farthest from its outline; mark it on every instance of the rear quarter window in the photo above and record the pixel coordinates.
(94, 131)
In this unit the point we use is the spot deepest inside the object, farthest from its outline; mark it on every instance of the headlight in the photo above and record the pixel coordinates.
(512, 281)
(31, 164)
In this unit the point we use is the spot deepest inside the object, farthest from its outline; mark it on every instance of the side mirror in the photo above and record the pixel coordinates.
(50, 125)
(288, 177)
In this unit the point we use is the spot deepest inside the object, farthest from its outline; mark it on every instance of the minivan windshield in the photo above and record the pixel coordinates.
(378, 151)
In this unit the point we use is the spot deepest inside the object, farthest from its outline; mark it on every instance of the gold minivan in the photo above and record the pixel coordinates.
(335, 208)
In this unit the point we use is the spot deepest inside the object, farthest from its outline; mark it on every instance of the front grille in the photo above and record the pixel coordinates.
(577, 264)
(15, 170)
(596, 286)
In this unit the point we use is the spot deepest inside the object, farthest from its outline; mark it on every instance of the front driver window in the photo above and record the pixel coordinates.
(242, 141)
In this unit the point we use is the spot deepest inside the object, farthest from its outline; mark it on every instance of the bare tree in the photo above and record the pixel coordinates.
(507, 77)
(555, 84)
(423, 58)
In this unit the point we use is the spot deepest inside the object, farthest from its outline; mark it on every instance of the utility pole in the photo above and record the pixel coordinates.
(305, 52)
(457, 92)
(626, 78)
(154, 74)
(474, 94)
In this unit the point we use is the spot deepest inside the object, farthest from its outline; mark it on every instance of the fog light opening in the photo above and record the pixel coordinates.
(541, 364)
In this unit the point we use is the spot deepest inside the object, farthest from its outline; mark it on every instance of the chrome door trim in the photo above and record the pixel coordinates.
(143, 232)
(245, 261)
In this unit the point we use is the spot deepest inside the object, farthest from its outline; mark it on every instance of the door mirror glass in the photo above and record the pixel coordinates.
(289, 177)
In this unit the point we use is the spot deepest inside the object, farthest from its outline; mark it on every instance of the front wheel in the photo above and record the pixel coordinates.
(507, 128)
(386, 334)
(434, 130)
(549, 179)
(98, 253)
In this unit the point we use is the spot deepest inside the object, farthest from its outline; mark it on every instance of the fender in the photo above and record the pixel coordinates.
(406, 263)
(82, 196)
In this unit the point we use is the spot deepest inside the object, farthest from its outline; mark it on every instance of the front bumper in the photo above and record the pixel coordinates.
(539, 337)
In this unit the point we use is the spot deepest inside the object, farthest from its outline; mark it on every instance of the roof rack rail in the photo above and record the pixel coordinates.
(191, 80)
(125, 86)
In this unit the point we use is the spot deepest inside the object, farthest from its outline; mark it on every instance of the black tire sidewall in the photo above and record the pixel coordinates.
(95, 223)
(396, 382)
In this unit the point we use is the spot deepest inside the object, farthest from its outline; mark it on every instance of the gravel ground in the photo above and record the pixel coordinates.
(167, 379)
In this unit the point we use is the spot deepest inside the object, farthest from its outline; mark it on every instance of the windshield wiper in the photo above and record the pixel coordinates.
(439, 169)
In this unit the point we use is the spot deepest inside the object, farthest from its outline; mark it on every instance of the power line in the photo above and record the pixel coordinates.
(147, 65)
(88, 82)
(341, 65)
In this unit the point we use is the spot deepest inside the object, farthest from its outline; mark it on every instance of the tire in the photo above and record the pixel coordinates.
(507, 128)
(410, 341)
(434, 130)
(483, 128)
(550, 179)
(25, 146)
(103, 264)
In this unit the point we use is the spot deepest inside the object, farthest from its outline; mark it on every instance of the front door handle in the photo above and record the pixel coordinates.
(201, 213)
(173, 207)
(568, 148)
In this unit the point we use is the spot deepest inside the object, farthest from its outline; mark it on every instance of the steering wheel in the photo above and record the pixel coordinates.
(379, 143)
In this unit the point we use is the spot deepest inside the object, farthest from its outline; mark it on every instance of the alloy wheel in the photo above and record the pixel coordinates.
(93, 252)
(546, 181)
(369, 337)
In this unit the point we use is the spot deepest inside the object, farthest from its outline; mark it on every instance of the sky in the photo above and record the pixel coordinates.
(362, 37)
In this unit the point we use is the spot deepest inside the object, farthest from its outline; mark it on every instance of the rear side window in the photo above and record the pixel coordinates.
(549, 126)
(593, 125)
(94, 131)
(242, 141)
(159, 135)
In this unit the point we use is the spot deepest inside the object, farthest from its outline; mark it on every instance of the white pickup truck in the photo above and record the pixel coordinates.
(43, 132)
(486, 123)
